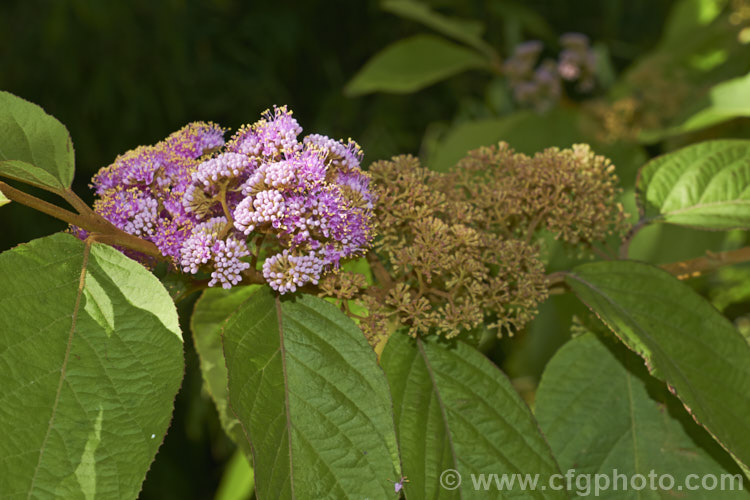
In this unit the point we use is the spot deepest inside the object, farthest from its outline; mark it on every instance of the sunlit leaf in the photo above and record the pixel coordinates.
(237, 482)
(92, 359)
(706, 185)
(35, 147)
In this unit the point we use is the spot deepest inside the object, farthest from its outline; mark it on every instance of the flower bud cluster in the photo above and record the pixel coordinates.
(539, 84)
(305, 205)
(459, 249)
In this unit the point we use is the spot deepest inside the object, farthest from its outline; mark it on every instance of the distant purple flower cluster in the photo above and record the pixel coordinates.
(305, 205)
(540, 84)
(577, 61)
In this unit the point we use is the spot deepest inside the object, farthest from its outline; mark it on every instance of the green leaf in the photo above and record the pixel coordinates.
(688, 16)
(732, 286)
(307, 388)
(726, 101)
(92, 359)
(34, 147)
(237, 482)
(213, 307)
(526, 16)
(455, 410)
(412, 64)
(3, 199)
(683, 339)
(521, 130)
(640, 428)
(467, 31)
(699, 50)
(706, 185)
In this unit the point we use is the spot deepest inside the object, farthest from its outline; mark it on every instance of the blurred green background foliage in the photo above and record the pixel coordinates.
(119, 74)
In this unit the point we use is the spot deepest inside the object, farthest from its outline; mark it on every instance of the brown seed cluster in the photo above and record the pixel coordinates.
(459, 249)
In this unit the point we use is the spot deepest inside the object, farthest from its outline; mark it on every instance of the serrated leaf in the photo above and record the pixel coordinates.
(92, 360)
(3, 199)
(455, 410)
(213, 307)
(642, 427)
(412, 64)
(683, 339)
(307, 388)
(467, 31)
(706, 185)
(34, 146)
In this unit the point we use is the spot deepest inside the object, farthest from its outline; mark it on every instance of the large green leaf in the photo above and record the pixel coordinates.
(456, 411)
(601, 411)
(412, 64)
(91, 356)
(211, 310)
(307, 388)
(706, 185)
(683, 339)
(34, 146)
(467, 31)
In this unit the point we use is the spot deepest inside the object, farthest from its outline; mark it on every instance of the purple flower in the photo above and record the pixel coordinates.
(206, 247)
(272, 136)
(520, 66)
(266, 207)
(222, 167)
(577, 62)
(200, 201)
(347, 156)
(285, 272)
(316, 199)
(195, 140)
(136, 167)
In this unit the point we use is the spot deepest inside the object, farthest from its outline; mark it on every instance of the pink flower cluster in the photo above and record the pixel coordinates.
(540, 84)
(304, 205)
